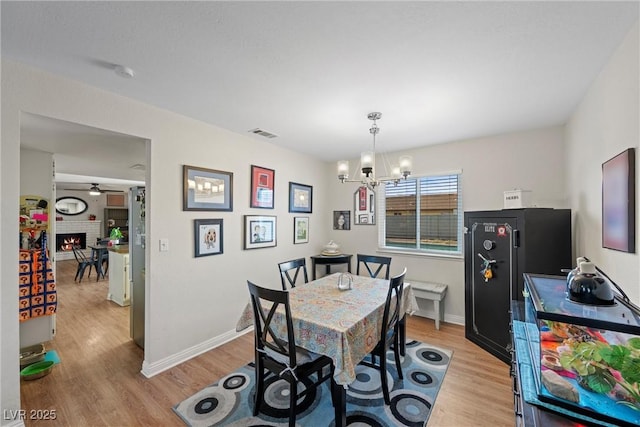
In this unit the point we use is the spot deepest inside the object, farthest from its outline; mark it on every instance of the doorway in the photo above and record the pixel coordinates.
(83, 156)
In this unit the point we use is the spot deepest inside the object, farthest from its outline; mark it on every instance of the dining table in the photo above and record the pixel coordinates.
(344, 325)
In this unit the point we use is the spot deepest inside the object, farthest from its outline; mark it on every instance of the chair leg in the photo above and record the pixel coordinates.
(293, 398)
(259, 386)
(383, 376)
(80, 273)
(396, 352)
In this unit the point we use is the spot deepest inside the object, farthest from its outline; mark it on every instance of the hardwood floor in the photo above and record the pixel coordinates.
(98, 382)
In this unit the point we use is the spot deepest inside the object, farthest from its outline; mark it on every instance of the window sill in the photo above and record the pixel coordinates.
(453, 256)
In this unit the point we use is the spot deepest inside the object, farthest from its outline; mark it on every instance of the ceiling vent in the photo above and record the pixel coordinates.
(263, 132)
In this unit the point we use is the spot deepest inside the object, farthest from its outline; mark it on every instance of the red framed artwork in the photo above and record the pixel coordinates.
(262, 187)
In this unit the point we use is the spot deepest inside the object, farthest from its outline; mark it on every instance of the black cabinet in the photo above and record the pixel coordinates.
(499, 247)
(116, 217)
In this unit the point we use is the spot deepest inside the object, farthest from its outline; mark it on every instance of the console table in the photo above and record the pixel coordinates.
(328, 261)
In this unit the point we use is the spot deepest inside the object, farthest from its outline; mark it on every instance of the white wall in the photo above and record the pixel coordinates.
(532, 160)
(193, 303)
(605, 123)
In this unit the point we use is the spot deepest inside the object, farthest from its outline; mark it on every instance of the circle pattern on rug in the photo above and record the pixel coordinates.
(422, 378)
(236, 382)
(212, 404)
(276, 398)
(409, 407)
(433, 357)
(367, 384)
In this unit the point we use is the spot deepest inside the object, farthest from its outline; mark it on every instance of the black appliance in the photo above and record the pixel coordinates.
(500, 246)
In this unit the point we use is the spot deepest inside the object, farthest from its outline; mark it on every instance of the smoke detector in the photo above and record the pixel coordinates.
(123, 71)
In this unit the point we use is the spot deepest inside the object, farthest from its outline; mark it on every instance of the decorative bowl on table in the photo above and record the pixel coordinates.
(331, 248)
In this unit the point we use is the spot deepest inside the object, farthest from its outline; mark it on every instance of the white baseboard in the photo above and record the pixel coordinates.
(151, 369)
(449, 318)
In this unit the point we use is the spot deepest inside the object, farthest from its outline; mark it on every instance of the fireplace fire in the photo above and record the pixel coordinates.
(66, 241)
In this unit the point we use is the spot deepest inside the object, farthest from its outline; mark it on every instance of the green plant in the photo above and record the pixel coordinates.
(602, 366)
(115, 233)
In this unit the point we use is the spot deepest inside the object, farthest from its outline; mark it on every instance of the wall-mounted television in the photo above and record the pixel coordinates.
(619, 202)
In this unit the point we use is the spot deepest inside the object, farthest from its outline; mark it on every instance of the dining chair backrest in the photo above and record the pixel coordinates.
(392, 307)
(80, 256)
(295, 266)
(266, 341)
(371, 262)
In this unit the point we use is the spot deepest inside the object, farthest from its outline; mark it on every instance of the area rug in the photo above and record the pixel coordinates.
(229, 402)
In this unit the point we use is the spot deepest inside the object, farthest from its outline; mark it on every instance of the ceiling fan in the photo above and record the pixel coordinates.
(94, 190)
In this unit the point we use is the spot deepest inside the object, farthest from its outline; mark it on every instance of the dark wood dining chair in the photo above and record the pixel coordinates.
(295, 266)
(374, 265)
(389, 334)
(279, 355)
(83, 263)
(104, 255)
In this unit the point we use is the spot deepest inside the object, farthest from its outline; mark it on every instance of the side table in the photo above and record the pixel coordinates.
(328, 261)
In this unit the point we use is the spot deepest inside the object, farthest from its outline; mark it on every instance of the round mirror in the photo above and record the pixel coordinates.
(70, 205)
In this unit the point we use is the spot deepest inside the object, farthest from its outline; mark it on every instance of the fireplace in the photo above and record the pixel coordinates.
(65, 241)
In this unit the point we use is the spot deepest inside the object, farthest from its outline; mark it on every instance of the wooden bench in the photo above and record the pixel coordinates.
(431, 291)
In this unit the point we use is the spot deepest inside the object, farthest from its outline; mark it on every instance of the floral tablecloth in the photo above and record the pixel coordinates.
(344, 325)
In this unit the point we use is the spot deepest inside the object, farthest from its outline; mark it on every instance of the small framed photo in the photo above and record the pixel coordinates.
(259, 231)
(207, 189)
(300, 229)
(208, 237)
(342, 220)
(262, 187)
(300, 197)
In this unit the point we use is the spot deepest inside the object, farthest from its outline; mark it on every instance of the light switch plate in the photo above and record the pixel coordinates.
(164, 245)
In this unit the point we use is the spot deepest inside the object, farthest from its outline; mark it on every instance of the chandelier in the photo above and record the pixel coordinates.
(393, 173)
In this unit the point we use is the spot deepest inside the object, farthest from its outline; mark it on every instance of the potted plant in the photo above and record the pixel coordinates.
(115, 235)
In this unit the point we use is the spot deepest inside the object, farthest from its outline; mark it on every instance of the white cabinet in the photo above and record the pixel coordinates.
(119, 278)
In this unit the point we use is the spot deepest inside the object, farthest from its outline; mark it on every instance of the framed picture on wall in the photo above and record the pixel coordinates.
(259, 231)
(342, 220)
(300, 197)
(206, 189)
(300, 229)
(262, 187)
(619, 202)
(208, 237)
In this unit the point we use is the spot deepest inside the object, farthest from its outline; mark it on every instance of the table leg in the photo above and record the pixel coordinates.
(313, 268)
(403, 334)
(340, 403)
(328, 269)
(95, 257)
(436, 304)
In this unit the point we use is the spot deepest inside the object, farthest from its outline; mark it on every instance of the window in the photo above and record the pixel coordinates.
(422, 214)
